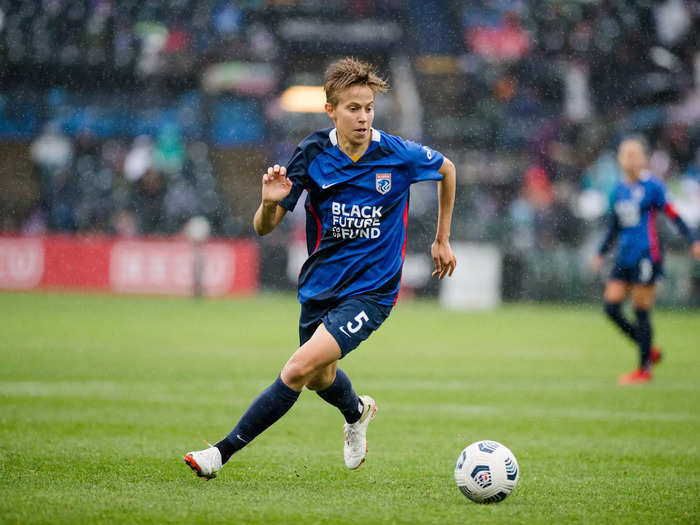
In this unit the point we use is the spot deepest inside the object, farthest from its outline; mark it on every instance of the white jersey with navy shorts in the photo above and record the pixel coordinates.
(356, 217)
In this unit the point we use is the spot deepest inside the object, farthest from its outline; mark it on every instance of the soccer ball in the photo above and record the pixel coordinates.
(486, 472)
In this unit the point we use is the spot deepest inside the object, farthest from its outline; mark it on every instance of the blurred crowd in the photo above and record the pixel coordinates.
(529, 98)
(146, 187)
(150, 37)
(546, 91)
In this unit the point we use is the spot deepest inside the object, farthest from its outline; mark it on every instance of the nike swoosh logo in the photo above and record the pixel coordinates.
(326, 186)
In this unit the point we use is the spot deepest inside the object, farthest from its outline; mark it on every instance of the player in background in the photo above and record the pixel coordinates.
(357, 180)
(636, 201)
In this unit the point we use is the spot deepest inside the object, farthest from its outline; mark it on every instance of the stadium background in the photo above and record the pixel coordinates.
(126, 119)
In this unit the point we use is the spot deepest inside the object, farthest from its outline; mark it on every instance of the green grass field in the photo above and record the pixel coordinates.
(100, 397)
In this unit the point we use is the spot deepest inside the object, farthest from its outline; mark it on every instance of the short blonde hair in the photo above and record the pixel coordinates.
(350, 71)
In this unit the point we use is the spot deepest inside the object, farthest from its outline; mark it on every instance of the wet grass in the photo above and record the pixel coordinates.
(100, 397)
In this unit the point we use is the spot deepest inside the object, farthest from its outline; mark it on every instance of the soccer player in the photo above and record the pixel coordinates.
(357, 180)
(636, 201)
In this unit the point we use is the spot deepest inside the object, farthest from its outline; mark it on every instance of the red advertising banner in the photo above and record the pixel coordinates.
(130, 266)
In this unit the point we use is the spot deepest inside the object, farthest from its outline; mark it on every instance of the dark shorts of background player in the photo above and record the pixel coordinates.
(350, 320)
(644, 272)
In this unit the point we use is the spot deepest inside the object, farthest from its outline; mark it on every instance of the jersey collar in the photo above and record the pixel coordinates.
(333, 135)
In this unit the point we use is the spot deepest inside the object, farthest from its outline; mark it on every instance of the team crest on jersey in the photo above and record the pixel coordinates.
(383, 183)
(638, 193)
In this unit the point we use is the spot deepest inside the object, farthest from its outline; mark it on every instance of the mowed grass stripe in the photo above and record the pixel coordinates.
(148, 398)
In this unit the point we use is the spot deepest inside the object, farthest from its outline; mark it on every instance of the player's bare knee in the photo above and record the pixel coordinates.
(295, 373)
(321, 380)
(642, 305)
(315, 383)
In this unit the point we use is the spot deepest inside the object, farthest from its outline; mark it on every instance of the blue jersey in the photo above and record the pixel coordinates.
(356, 213)
(635, 207)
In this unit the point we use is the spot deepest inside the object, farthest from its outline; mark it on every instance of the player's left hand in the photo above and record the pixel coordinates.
(695, 250)
(443, 258)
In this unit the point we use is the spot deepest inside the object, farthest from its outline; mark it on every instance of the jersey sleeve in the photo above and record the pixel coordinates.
(660, 200)
(423, 161)
(663, 204)
(610, 233)
(297, 173)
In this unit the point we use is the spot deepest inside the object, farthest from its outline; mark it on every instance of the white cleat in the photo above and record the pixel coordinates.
(206, 463)
(355, 449)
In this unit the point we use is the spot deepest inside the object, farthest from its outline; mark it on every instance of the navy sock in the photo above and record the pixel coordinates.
(643, 337)
(268, 407)
(341, 395)
(614, 312)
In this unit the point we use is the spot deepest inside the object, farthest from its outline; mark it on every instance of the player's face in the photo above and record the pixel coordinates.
(353, 114)
(632, 158)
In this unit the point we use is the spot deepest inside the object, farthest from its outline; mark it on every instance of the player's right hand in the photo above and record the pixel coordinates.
(275, 184)
(695, 250)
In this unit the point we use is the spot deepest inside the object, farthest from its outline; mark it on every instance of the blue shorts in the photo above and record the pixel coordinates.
(643, 272)
(350, 320)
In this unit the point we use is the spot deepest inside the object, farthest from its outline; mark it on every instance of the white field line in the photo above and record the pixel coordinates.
(84, 388)
(542, 413)
(516, 385)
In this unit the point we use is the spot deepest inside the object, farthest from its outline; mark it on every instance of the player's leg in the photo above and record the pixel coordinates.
(313, 360)
(643, 278)
(334, 386)
(350, 322)
(615, 295)
(317, 353)
(643, 296)
(322, 378)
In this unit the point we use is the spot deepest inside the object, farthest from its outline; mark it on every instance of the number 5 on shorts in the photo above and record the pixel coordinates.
(359, 319)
